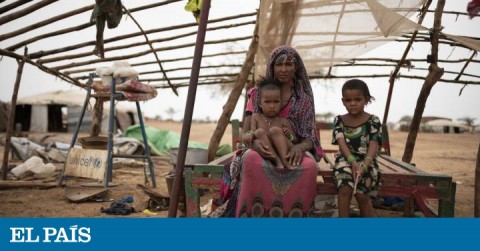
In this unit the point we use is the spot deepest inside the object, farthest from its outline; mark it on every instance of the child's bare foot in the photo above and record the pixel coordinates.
(279, 164)
(287, 165)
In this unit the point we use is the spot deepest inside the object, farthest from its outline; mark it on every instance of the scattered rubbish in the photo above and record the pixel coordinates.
(118, 208)
(99, 184)
(146, 211)
(207, 208)
(79, 194)
(34, 165)
(157, 200)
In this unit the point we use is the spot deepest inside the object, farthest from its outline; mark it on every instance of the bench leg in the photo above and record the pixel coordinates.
(446, 207)
(192, 198)
(409, 207)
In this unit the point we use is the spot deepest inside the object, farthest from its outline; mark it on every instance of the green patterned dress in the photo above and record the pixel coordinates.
(358, 139)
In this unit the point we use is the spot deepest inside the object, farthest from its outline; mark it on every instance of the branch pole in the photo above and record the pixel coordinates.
(11, 117)
(51, 71)
(187, 118)
(23, 12)
(391, 80)
(151, 48)
(434, 74)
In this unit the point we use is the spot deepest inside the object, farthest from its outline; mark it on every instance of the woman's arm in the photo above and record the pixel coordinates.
(288, 131)
(247, 134)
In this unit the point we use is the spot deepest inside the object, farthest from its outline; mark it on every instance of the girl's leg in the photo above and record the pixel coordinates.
(365, 205)
(262, 135)
(344, 198)
(280, 142)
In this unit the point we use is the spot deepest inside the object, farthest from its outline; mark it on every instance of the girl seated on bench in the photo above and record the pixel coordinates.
(358, 135)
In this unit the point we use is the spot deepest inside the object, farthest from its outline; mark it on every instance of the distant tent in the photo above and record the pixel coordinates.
(446, 126)
(59, 111)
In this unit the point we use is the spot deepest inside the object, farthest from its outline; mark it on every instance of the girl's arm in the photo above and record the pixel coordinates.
(371, 153)
(342, 145)
(375, 136)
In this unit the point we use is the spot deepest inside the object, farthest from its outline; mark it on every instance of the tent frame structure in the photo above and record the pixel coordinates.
(73, 67)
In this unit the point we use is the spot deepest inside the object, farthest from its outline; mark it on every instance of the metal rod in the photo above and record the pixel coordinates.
(145, 142)
(187, 118)
(130, 156)
(79, 123)
(111, 120)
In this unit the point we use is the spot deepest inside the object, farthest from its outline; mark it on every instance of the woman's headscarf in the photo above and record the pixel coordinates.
(302, 109)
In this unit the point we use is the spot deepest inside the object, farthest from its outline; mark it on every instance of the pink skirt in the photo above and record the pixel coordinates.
(266, 191)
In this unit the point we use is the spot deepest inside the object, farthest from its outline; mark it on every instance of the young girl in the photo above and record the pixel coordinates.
(275, 132)
(358, 135)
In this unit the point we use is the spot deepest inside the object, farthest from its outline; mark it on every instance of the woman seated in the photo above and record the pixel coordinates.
(252, 186)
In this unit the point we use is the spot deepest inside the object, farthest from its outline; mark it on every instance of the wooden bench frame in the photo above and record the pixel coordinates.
(398, 179)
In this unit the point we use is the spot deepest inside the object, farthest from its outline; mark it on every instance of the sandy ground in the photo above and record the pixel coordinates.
(451, 154)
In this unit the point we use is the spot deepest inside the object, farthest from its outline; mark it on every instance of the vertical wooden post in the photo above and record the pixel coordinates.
(11, 117)
(476, 202)
(187, 117)
(434, 74)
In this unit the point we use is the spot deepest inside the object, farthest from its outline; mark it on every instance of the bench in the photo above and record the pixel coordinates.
(399, 179)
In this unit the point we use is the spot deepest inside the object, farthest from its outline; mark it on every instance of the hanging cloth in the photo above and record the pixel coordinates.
(109, 11)
(194, 6)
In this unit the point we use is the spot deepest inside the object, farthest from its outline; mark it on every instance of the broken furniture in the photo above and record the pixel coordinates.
(112, 96)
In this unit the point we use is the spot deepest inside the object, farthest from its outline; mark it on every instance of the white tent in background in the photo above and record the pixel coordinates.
(60, 111)
(446, 126)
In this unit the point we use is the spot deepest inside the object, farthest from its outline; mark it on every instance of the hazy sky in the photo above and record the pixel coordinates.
(443, 101)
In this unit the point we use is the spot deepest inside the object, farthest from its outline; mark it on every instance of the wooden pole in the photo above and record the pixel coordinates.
(477, 186)
(400, 63)
(229, 107)
(187, 118)
(21, 13)
(45, 22)
(142, 53)
(154, 62)
(43, 53)
(434, 74)
(11, 117)
(13, 5)
(43, 68)
(81, 26)
(153, 50)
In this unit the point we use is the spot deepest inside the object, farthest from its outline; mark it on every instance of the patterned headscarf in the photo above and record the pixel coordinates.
(302, 109)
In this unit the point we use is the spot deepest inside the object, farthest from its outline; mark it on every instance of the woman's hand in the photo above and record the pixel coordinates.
(262, 149)
(296, 154)
(247, 139)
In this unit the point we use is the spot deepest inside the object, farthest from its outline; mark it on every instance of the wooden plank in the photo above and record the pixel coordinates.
(7, 184)
(88, 163)
(205, 182)
(207, 168)
(408, 167)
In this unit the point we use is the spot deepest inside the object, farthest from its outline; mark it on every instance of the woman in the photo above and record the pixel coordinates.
(252, 186)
